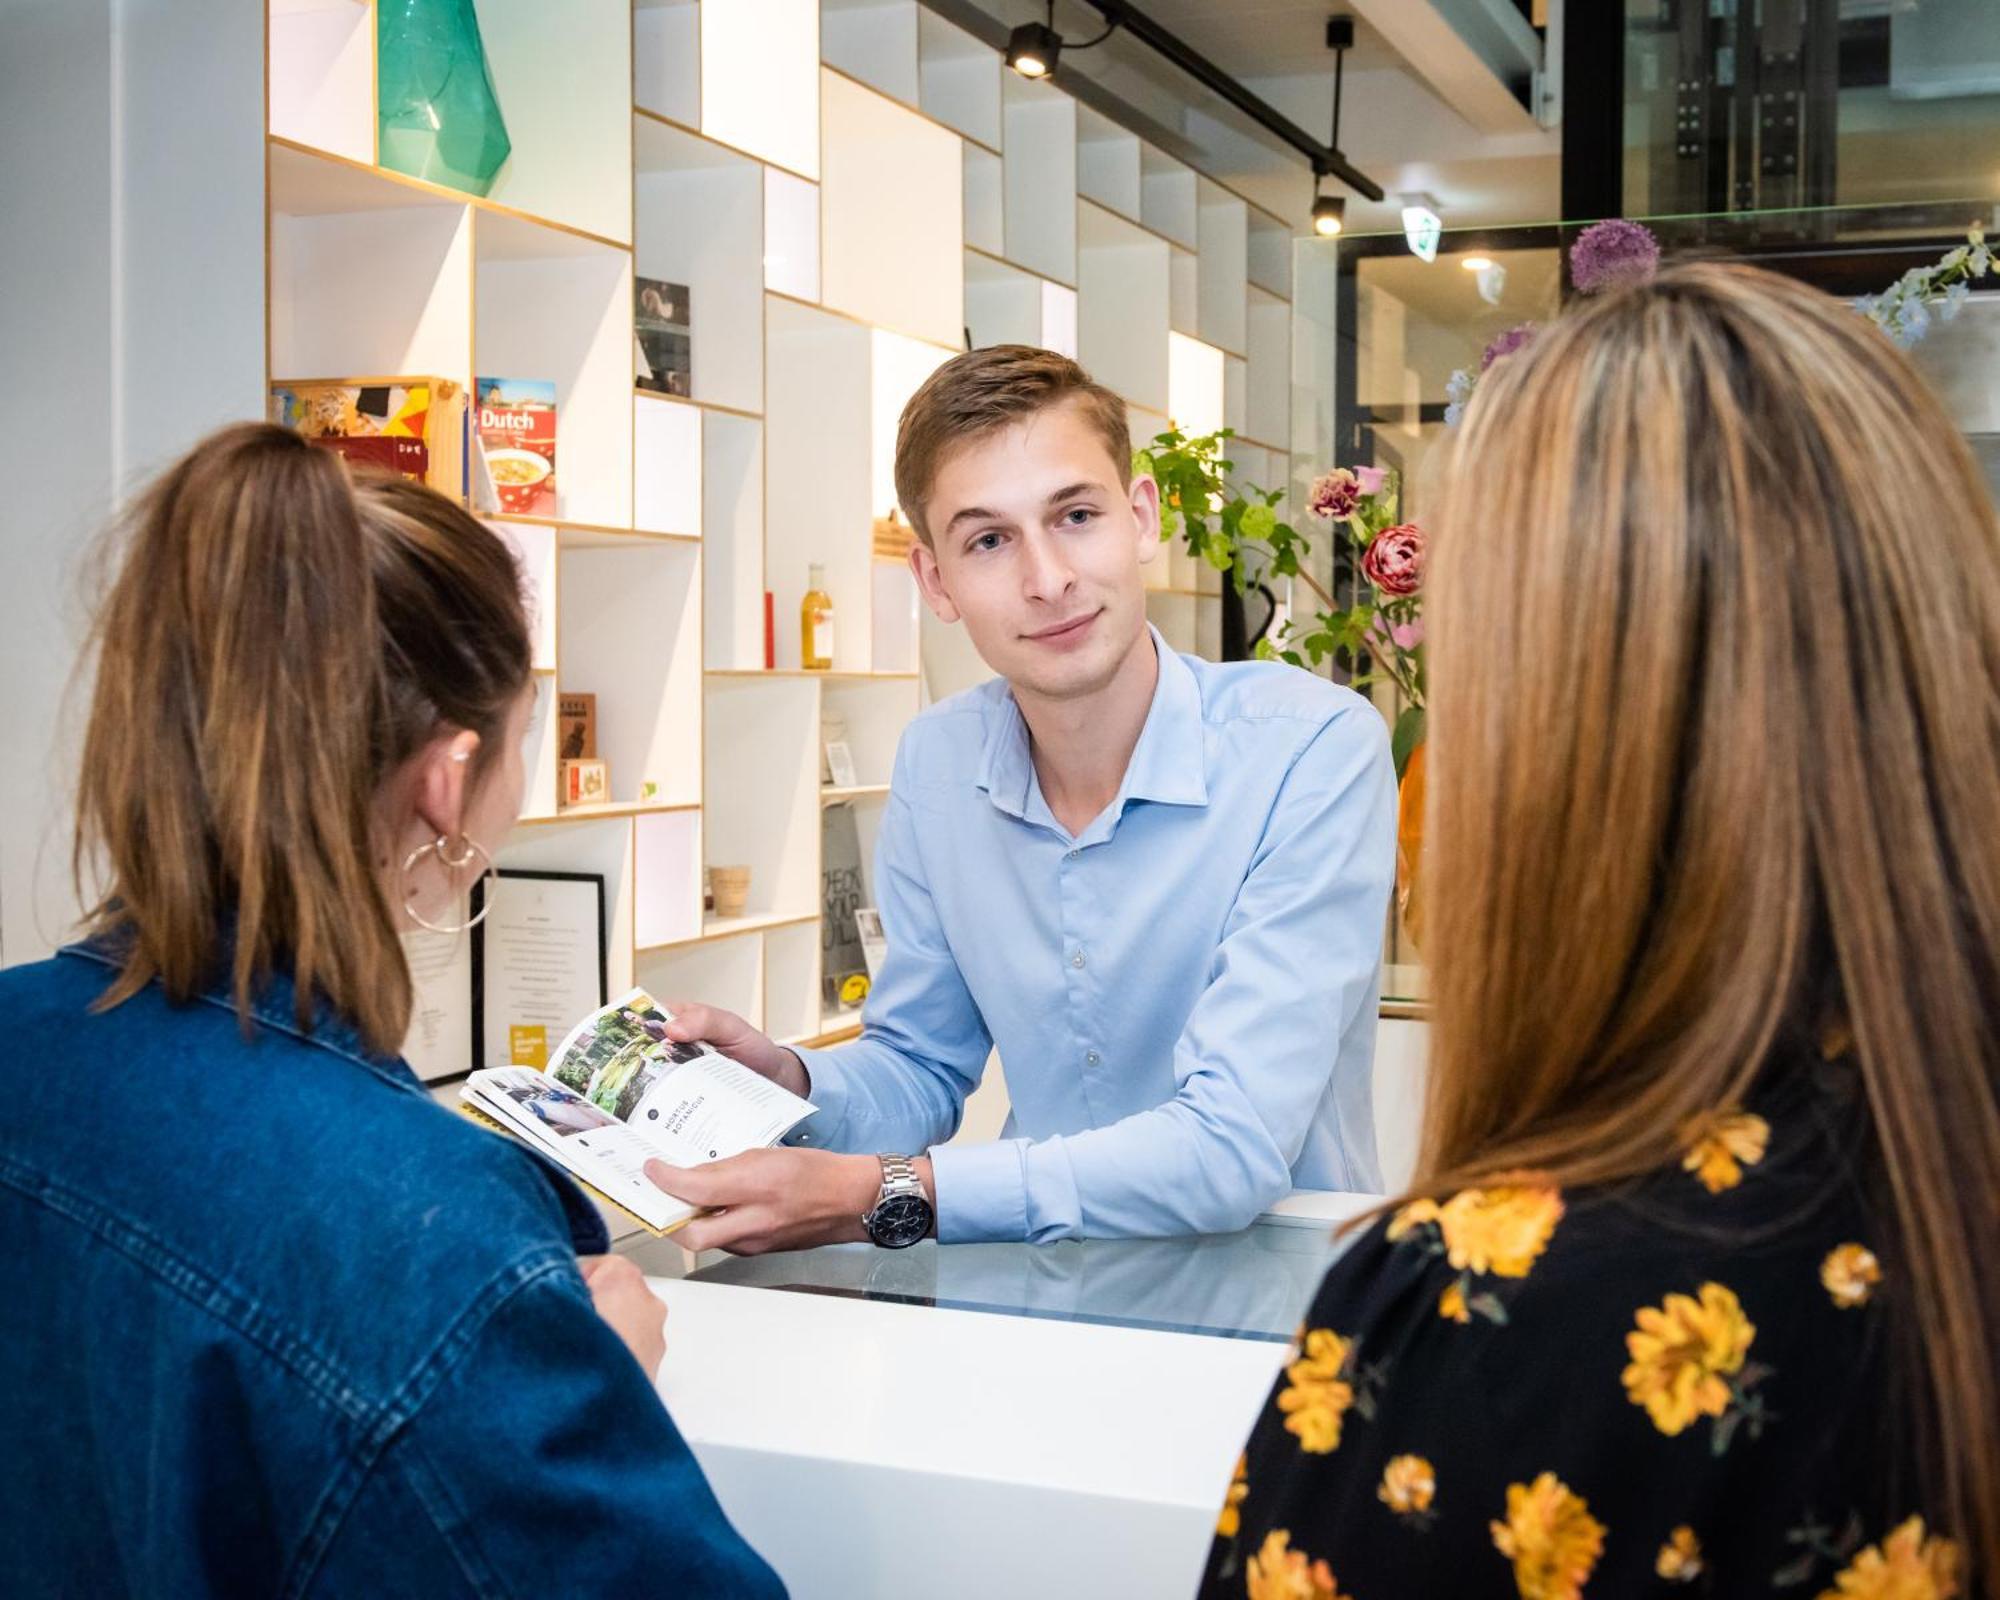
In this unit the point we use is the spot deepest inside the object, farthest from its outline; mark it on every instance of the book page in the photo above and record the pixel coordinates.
(693, 1104)
(710, 1107)
(582, 1139)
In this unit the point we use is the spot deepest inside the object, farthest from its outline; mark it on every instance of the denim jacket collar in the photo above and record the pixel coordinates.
(273, 1006)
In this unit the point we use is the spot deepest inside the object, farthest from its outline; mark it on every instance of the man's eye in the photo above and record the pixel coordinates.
(1077, 516)
(986, 541)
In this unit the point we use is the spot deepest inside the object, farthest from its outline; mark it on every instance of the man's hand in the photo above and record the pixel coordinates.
(784, 1199)
(736, 1039)
(618, 1291)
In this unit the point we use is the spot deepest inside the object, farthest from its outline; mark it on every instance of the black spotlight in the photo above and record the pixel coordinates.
(1329, 214)
(1032, 49)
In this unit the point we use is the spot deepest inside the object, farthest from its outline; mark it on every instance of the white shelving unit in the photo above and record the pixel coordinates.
(850, 189)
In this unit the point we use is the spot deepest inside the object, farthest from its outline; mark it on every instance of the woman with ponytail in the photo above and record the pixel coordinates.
(1697, 1289)
(278, 1324)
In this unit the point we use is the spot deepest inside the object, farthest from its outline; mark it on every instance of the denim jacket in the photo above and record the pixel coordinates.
(280, 1325)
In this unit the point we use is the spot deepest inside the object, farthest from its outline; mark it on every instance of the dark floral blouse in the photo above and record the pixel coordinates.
(1673, 1387)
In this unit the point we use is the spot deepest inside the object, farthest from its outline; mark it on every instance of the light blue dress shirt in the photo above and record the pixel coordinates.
(1183, 996)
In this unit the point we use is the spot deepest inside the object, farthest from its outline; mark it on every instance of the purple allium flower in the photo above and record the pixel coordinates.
(1614, 254)
(1334, 495)
(1505, 344)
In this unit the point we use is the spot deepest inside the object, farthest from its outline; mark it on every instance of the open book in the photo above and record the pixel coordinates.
(620, 1093)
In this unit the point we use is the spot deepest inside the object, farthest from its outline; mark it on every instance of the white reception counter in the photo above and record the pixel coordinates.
(985, 1420)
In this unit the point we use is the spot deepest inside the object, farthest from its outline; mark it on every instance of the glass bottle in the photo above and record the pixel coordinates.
(816, 623)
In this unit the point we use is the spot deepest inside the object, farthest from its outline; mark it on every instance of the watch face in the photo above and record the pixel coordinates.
(899, 1221)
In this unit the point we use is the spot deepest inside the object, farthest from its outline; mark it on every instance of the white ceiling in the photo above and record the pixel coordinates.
(1394, 125)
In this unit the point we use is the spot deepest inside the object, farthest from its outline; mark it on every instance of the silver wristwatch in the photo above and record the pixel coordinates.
(902, 1213)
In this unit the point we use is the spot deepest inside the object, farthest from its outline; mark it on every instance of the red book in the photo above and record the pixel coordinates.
(770, 633)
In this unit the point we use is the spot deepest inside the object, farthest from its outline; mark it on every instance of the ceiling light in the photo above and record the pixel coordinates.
(1475, 263)
(1032, 49)
(1422, 226)
(1329, 214)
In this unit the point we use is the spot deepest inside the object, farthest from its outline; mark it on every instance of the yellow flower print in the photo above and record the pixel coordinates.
(1316, 1395)
(1551, 1538)
(1408, 1485)
(1277, 1572)
(1682, 1354)
(1850, 1273)
(1231, 1520)
(1451, 1304)
(1904, 1566)
(1679, 1560)
(1720, 1145)
(1500, 1230)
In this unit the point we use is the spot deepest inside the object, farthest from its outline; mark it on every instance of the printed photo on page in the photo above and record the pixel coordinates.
(620, 1092)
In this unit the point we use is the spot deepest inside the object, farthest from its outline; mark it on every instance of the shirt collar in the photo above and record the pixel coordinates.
(1169, 764)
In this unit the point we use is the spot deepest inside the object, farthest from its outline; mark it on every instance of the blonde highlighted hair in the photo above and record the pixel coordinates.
(1715, 751)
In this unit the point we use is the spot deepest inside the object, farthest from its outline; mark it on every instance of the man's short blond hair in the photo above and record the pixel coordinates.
(983, 390)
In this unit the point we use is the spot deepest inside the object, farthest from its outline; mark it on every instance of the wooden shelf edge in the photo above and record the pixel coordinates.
(442, 192)
(611, 812)
(713, 932)
(698, 405)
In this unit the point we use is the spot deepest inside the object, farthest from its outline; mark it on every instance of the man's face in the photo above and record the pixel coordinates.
(1038, 550)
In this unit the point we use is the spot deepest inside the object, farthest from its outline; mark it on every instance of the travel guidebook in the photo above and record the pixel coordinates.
(620, 1092)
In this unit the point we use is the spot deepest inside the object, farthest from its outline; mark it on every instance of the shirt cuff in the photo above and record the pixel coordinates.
(982, 1191)
(827, 1090)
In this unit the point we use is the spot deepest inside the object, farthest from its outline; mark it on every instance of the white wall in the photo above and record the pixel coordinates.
(130, 324)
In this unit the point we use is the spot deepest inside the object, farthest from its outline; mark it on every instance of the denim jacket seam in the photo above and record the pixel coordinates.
(208, 1292)
(402, 1409)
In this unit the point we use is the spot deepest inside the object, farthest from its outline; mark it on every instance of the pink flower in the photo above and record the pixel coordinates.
(1403, 635)
(1371, 479)
(1334, 495)
(1394, 561)
(1505, 344)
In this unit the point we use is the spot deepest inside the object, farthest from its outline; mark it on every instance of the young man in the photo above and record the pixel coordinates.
(1158, 885)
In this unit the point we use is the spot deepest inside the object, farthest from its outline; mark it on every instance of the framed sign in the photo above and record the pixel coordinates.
(538, 964)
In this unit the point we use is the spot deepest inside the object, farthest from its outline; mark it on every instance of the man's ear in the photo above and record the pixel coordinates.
(930, 581)
(1145, 502)
(439, 785)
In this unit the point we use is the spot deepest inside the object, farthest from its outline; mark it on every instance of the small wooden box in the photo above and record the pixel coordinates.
(585, 783)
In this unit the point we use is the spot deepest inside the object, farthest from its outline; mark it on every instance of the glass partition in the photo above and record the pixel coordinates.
(1379, 333)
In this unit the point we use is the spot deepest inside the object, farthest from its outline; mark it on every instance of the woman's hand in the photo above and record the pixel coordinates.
(618, 1291)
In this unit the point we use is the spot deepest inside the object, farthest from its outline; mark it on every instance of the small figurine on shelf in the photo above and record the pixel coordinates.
(816, 623)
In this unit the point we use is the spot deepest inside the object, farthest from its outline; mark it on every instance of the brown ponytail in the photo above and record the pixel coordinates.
(278, 640)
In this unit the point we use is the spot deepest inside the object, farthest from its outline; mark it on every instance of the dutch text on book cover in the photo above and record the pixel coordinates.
(515, 419)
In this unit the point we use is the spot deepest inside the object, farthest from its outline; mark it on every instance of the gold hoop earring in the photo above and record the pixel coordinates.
(441, 848)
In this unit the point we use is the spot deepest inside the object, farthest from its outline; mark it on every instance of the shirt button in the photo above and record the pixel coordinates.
(1077, 959)
(1073, 855)
(1093, 1058)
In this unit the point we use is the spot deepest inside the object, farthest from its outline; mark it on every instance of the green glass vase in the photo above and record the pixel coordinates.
(439, 118)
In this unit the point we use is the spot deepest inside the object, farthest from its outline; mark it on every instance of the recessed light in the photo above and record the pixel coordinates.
(1475, 263)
